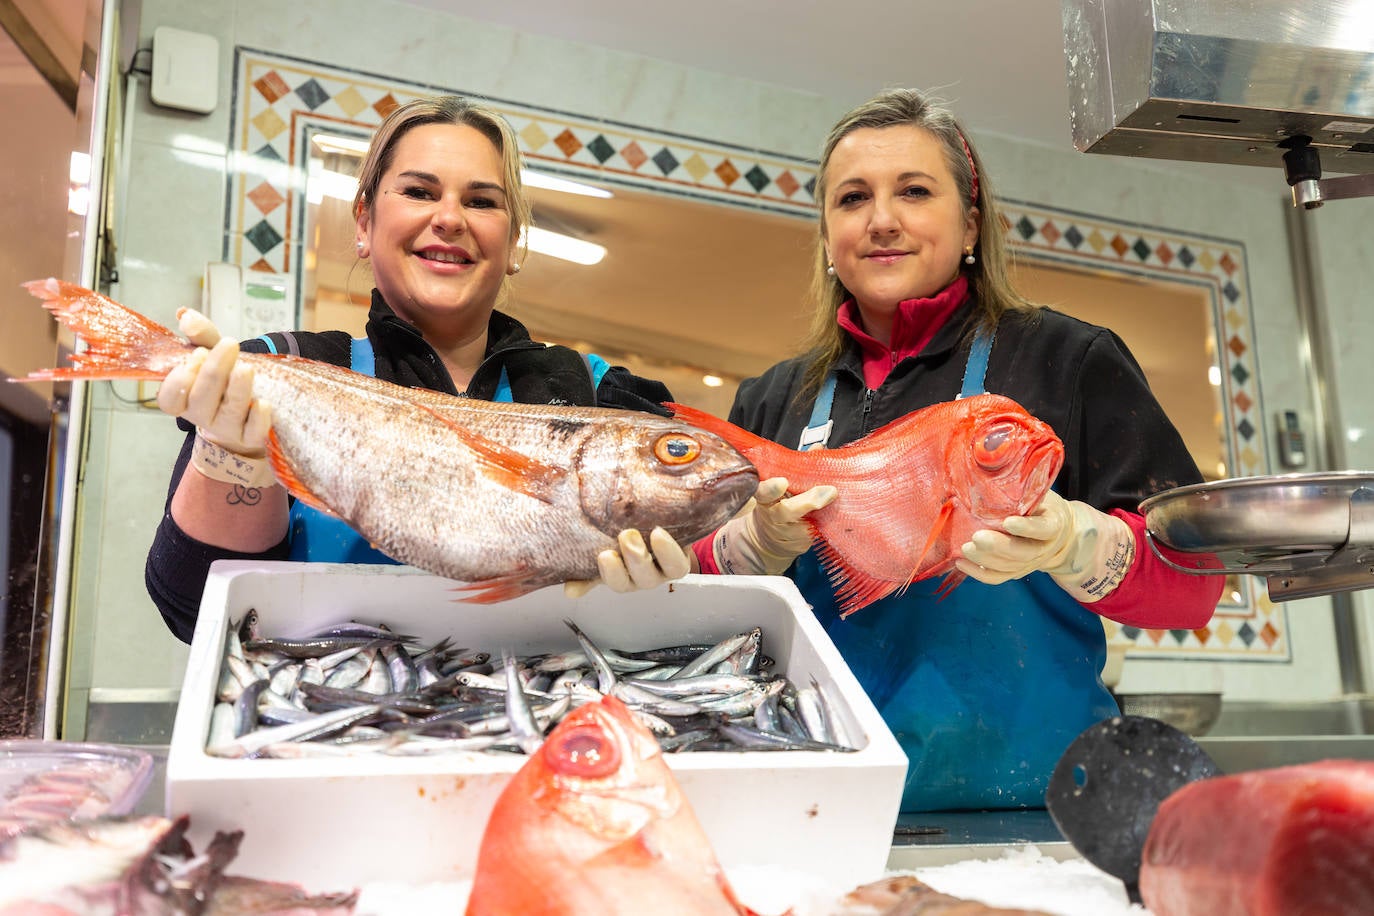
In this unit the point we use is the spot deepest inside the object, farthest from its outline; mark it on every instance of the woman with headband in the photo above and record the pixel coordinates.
(987, 686)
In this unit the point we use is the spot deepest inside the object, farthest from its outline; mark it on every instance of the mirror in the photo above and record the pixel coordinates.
(676, 293)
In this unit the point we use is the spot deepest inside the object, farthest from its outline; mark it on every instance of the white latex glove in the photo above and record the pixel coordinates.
(768, 534)
(635, 566)
(213, 390)
(1086, 551)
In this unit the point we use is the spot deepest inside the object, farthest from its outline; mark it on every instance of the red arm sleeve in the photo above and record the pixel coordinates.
(706, 557)
(1153, 595)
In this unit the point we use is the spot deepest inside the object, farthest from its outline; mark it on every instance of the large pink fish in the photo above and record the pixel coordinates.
(911, 492)
(506, 497)
(594, 824)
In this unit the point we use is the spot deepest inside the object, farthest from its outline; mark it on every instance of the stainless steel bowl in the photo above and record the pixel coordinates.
(1191, 713)
(1248, 521)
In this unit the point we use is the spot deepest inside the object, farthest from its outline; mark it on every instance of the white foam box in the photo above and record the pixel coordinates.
(342, 822)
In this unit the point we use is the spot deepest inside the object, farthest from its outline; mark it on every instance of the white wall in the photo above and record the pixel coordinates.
(174, 218)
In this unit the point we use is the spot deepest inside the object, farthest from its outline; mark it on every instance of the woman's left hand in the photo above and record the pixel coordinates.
(1086, 551)
(635, 566)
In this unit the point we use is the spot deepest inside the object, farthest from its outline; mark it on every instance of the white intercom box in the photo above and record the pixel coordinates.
(185, 70)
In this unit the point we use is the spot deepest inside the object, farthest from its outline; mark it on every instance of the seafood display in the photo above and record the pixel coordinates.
(905, 895)
(594, 822)
(1296, 839)
(44, 781)
(911, 492)
(351, 689)
(138, 865)
(508, 498)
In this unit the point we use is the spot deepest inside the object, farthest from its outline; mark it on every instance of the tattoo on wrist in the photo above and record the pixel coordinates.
(240, 495)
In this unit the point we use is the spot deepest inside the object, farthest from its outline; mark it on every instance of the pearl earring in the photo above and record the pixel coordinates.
(360, 247)
(968, 256)
(830, 269)
(515, 267)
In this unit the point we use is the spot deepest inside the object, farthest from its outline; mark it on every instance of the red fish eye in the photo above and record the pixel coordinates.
(585, 752)
(676, 449)
(995, 448)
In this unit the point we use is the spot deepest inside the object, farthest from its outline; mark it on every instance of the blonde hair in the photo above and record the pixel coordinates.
(991, 285)
(445, 109)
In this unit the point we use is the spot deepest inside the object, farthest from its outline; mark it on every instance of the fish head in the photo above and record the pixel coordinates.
(1004, 459)
(603, 773)
(654, 472)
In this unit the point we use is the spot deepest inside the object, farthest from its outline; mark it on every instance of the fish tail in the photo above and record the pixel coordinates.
(120, 343)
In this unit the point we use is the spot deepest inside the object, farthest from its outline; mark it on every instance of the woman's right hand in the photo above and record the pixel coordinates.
(214, 390)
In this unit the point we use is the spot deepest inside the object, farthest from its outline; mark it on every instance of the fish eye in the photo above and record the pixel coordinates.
(676, 449)
(585, 752)
(995, 447)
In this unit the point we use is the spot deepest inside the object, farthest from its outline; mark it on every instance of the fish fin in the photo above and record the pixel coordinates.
(949, 583)
(853, 589)
(505, 466)
(937, 528)
(120, 343)
(500, 588)
(286, 474)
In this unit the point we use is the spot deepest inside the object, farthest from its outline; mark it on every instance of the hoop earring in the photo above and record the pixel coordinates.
(968, 256)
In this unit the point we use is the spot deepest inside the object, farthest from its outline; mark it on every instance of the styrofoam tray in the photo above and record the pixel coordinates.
(333, 823)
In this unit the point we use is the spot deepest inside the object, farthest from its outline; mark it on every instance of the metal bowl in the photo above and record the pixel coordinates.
(1247, 521)
(1191, 713)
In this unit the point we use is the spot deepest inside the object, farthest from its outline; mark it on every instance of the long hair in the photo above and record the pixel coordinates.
(445, 109)
(988, 278)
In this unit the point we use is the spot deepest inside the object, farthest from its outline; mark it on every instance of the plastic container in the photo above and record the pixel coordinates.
(344, 822)
(46, 781)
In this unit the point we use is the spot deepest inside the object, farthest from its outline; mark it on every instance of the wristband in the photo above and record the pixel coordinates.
(219, 463)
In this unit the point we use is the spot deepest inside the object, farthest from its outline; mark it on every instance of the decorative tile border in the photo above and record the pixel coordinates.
(279, 101)
(1246, 625)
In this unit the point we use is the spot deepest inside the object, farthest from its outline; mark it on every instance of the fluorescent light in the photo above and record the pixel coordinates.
(712, 381)
(80, 168)
(554, 183)
(324, 183)
(564, 247)
(333, 143)
(79, 200)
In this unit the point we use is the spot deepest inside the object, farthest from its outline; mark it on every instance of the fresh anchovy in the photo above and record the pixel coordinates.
(716, 654)
(605, 677)
(506, 497)
(755, 740)
(691, 686)
(523, 726)
(503, 712)
(249, 744)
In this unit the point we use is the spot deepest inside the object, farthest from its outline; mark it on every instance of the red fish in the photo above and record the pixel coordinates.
(1295, 839)
(594, 824)
(911, 492)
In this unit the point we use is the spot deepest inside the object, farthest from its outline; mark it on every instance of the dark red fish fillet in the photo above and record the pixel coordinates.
(1281, 842)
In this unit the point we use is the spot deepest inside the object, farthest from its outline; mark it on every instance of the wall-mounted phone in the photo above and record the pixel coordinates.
(1292, 440)
(246, 303)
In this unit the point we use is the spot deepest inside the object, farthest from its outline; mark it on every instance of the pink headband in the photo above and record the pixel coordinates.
(973, 170)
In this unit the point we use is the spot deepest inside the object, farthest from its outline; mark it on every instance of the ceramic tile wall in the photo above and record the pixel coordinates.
(179, 199)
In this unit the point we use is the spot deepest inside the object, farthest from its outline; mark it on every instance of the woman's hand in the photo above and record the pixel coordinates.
(770, 533)
(1086, 551)
(635, 565)
(213, 390)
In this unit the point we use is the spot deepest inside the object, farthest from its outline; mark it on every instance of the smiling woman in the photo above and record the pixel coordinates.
(698, 295)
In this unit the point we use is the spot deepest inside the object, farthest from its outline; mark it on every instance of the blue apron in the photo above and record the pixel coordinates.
(317, 537)
(985, 688)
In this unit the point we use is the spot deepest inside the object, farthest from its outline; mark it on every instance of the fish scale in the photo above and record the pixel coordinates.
(506, 497)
